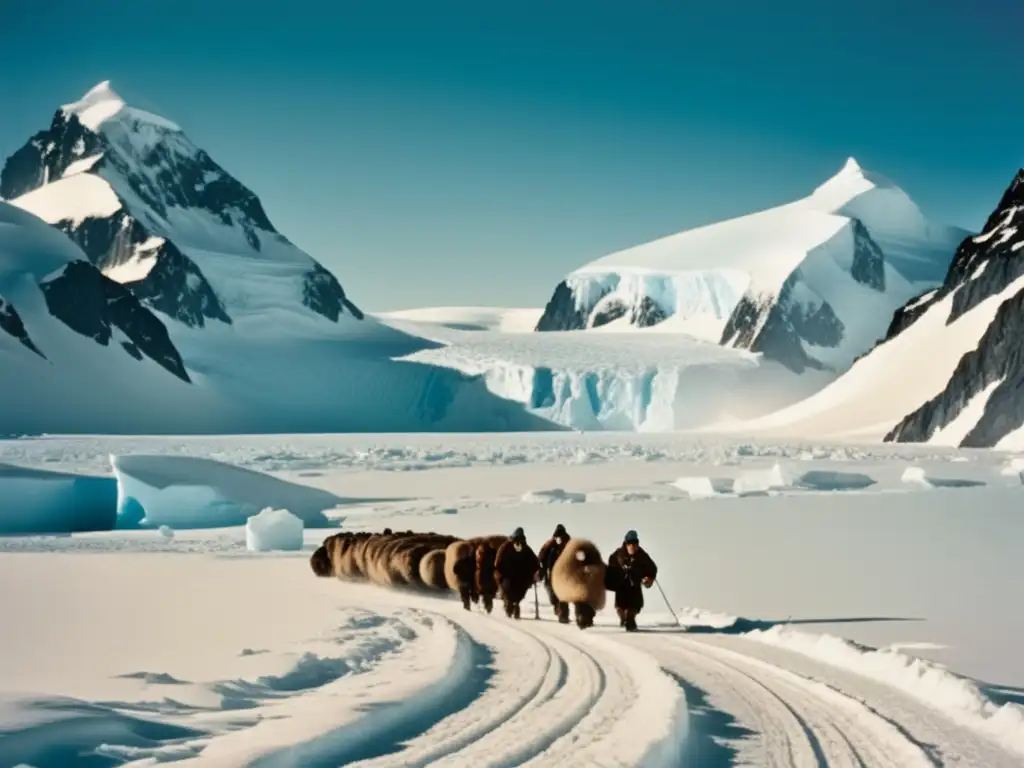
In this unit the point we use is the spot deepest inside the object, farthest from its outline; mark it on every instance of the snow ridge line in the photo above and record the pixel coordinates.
(930, 683)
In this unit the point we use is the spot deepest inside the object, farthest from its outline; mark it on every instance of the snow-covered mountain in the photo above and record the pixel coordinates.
(950, 369)
(170, 260)
(79, 351)
(158, 215)
(811, 284)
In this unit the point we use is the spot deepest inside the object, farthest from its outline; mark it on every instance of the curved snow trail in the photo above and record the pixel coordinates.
(457, 688)
(787, 709)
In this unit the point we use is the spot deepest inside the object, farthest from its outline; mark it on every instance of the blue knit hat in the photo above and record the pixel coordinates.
(518, 534)
(631, 538)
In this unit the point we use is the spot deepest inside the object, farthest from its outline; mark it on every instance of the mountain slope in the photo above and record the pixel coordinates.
(811, 284)
(157, 214)
(950, 369)
(170, 260)
(980, 403)
(78, 351)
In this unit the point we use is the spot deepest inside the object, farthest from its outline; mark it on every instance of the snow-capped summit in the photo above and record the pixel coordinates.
(155, 212)
(950, 370)
(102, 103)
(812, 283)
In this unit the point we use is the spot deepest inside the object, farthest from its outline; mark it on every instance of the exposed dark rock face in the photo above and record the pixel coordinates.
(89, 303)
(177, 287)
(11, 323)
(647, 313)
(47, 155)
(609, 313)
(868, 260)
(561, 312)
(984, 266)
(997, 358)
(174, 285)
(157, 174)
(906, 315)
(322, 293)
(777, 327)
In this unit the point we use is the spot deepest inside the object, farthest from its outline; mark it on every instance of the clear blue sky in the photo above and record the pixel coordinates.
(473, 152)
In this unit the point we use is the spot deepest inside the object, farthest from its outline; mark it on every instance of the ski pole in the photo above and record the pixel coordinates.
(536, 603)
(668, 604)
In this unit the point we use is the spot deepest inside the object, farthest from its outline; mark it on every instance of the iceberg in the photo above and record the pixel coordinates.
(41, 501)
(187, 492)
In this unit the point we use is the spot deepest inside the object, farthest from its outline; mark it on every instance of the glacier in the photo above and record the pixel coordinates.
(810, 284)
(656, 382)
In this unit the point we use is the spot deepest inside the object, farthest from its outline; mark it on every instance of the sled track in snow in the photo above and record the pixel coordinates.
(469, 689)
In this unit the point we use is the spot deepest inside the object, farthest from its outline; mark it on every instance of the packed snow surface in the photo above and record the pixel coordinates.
(803, 652)
(273, 529)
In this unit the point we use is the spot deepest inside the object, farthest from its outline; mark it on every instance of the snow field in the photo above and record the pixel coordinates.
(403, 678)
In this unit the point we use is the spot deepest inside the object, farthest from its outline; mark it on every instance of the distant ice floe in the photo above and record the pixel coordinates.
(917, 476)
(41, 501)
(189, 492)
(273, 529)
(830, 480)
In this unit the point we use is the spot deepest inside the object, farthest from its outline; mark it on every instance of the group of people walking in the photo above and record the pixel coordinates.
(481, 569)
(629, 570)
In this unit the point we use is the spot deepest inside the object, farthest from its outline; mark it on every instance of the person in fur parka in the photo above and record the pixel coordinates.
(548, 556)
(516, 569)
(578, 578)
(630, 570)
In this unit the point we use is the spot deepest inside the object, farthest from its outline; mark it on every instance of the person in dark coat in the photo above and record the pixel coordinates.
(548, 556)
(630, 570)
(516, 569)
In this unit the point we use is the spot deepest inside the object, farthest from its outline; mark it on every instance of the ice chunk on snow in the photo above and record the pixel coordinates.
(40, 501)
(760, 480)
(695, 487)
(189, 492)
(916, 476)
(554, 496)
(273, 529)
(166, 531)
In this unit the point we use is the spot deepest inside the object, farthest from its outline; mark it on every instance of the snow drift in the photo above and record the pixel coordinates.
(811, 284)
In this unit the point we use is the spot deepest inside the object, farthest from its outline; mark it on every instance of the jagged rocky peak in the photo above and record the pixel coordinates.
(178, 215)
(986, 265)
(12, 324)
(96, 307)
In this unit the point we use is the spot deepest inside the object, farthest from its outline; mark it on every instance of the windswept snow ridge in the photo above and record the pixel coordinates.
(810, 284)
